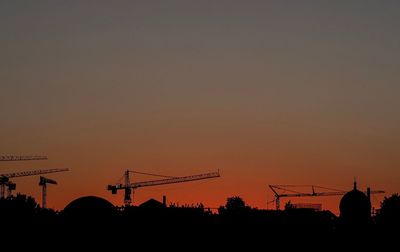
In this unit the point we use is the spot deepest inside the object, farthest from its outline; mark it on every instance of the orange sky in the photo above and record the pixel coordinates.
(268, 93)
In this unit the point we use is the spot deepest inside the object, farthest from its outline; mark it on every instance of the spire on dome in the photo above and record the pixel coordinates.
(355, 184)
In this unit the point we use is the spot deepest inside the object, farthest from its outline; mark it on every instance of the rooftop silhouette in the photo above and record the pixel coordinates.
(234, 220)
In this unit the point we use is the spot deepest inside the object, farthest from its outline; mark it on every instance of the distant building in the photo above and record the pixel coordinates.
(316, 207)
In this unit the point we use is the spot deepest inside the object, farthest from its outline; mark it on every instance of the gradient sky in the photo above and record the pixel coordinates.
(269, 92)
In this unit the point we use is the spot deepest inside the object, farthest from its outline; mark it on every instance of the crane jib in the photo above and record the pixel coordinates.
(165, 181)
(32, 173)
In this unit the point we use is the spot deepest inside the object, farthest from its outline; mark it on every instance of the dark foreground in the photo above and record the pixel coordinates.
(155, 226)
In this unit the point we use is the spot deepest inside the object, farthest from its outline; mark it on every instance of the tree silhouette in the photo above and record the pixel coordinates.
(289, 205)
(235, 203)
(20, 205)
(389, 214)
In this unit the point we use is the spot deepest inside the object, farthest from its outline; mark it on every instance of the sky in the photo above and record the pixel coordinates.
(268, 92)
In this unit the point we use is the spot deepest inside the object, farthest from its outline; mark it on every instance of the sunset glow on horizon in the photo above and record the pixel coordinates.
(265, 92)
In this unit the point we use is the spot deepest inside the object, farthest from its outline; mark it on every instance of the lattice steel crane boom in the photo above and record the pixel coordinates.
(21, 158)
(292, 193)
(5, 178)
(130, 187)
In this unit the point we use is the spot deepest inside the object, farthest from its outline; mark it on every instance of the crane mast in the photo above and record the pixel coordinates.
(130, 187)
(43, 183)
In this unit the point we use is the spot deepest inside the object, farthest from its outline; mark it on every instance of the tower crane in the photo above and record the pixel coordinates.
(11, 186)
(5, 178)
(129, 187)
(21, 158)
(43, 183)
(280, 191)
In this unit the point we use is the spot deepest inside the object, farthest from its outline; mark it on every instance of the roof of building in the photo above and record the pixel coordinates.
(152, 203)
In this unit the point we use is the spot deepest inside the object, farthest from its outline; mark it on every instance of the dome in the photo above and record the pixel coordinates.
(355, 206)
(89, 205)
(152, 204)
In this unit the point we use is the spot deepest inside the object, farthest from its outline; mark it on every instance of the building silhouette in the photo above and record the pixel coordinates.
(355, 208)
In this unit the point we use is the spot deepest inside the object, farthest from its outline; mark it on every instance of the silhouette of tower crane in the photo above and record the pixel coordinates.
(21, 158)
(129, 187)
(5, 178)
(43, 183)
(281, 191)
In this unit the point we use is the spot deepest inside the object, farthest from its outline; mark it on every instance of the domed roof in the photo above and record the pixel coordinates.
(89, 205)
(355, 205)
(152, 204)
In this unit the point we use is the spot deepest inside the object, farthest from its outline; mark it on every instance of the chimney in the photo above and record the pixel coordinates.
(164, 200)
(369, 197)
